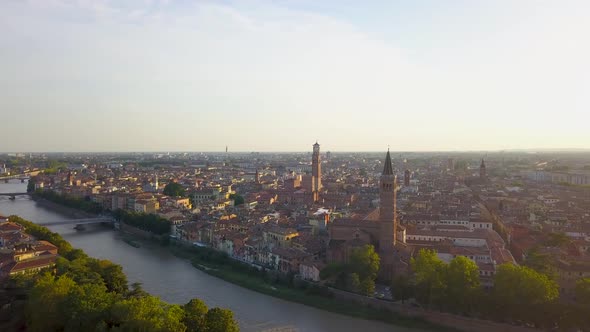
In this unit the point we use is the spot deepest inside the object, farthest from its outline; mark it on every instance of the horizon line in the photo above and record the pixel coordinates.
(306, 151)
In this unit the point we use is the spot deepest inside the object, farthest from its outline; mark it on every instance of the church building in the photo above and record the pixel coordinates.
(379, 228)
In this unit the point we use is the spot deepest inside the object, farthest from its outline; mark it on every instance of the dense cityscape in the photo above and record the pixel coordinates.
(294, 166)
(411, 233)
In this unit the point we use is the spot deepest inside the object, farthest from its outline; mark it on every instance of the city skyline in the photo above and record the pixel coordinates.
(99, 76)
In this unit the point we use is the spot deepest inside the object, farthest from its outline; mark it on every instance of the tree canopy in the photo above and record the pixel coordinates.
(145, 221)
(88, 294)
(174, 189)
(519, 290)
(238, 199)
(359, 274)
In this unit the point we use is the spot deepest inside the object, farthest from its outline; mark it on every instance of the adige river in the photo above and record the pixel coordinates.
(176, 281)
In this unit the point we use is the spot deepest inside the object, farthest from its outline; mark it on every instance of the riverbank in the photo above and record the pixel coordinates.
(66, 211)
(349, 305)
(304, 294)
(88, 294)
(336, 301)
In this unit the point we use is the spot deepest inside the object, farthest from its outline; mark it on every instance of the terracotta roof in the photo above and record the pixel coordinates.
(38, 262)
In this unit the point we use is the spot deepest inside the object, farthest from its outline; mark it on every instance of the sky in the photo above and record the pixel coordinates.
(183, 75)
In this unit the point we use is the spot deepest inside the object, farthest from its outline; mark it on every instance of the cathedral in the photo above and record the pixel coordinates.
(379, 228)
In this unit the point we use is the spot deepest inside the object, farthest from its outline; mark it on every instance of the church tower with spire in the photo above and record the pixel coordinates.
(387, 207)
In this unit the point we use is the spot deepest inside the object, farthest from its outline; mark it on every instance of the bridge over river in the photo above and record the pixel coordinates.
(14, 194)
(83, 221)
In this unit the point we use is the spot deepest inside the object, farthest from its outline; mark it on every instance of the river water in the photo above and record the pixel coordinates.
(176, 281)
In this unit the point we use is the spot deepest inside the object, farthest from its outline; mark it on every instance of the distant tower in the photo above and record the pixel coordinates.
(387, 207)
(482, 170)
(316, 172)
(70, 179)
(257, 178)
(156, 185)
(407, 178)
(451, 164)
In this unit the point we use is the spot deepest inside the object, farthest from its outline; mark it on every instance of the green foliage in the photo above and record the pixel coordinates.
(136, 290)
(452, 287)
(430, 273)
(520, 291)
(147, 222)
(87, 307)
(31, 185)
(69, 201)
(353, 282)
(53, 166)
(402, 288)
(148, 313)
(355, 276)
(220, 320)
(112, 275)
(238, 199)
(46, 301)
(463, 284)
(194, 315)
(365, 261)
(541, 263)
(174, 189)
(88, 294)
(583, 291)
(367, 286)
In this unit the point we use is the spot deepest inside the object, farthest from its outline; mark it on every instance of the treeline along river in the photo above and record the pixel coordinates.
(176, 281)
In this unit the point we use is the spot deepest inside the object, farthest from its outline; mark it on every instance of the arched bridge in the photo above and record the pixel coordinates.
(83, 221)
(13, 194)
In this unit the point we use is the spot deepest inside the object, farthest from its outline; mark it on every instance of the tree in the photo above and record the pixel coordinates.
(583, 291)
(430, 275)
(520, 292)
(194, 316)
(238, 199)
(462, 284)
(174, 189)
(46, 301)
(221, 320)
(31, 185)
(112, 275)
(87, 307)
(401, 288)
(148, 313)
(136, 290)
(365, 261)
(353, 282)
(542, 263)
(367, 286)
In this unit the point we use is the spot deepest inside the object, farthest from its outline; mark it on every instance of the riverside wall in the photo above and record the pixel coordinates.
(461, 323)
(67, 211)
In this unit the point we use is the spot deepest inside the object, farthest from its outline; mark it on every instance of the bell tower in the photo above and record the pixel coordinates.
(387, 207)
(482, 170)
(316, 172)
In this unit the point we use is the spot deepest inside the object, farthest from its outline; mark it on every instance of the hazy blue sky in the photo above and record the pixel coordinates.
(267, 76)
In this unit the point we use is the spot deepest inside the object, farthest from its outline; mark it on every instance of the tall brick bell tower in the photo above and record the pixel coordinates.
(387, 207)
(316, 172)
